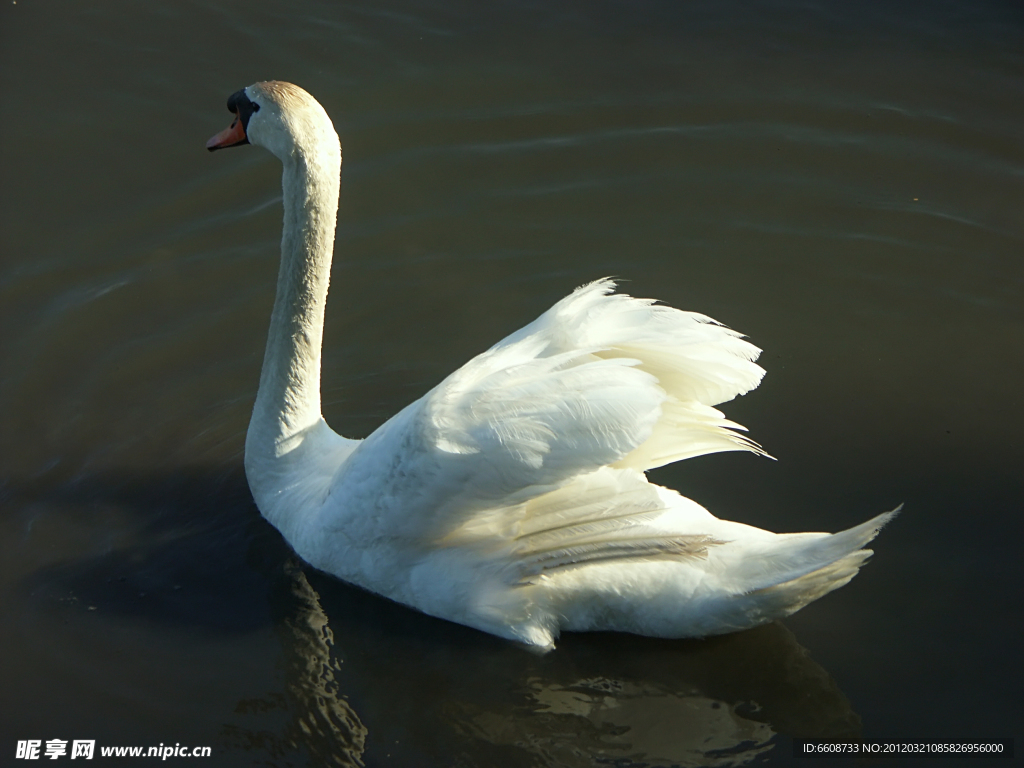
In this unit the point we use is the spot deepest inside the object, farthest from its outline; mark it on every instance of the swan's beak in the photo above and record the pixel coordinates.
(232, 136)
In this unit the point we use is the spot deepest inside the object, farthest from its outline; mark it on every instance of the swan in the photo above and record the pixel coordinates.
(512, 497)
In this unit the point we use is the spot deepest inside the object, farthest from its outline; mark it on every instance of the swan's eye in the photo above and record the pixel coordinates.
(242, 107)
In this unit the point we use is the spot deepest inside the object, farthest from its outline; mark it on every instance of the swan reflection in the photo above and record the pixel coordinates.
(624, 723)
(368, 681)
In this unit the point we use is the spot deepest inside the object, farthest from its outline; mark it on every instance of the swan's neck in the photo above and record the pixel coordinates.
(288, 401)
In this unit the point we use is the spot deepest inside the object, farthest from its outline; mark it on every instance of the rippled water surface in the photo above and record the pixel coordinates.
(843, 182)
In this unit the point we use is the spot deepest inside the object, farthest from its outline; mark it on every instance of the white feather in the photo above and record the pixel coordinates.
(512, 496)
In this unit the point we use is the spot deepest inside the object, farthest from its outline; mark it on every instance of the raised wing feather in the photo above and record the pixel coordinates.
(598, 380)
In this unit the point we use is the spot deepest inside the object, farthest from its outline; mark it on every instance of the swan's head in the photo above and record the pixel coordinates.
(280, 117)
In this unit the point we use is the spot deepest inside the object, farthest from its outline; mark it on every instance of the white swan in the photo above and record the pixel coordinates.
(512, 496)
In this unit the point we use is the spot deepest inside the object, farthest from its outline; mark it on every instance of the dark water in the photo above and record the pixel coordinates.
(841, 181)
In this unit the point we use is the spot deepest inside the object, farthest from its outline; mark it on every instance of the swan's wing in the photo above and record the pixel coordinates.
(607, 516)
(600, 379)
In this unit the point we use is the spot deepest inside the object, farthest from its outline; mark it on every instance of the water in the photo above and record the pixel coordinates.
(841, 181)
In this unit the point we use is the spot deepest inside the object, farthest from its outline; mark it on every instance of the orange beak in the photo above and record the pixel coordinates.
(231, 136)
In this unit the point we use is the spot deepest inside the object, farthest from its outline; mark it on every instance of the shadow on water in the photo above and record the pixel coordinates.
(196, 553)
(370, 681)
(367, 682)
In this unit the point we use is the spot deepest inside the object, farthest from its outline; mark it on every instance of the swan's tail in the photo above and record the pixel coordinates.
(796, 570)
(745, 577)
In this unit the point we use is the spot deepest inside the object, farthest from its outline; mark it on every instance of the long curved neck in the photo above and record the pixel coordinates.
(288, 401)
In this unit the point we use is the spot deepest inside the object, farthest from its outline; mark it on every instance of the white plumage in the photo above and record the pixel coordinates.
(512, 496)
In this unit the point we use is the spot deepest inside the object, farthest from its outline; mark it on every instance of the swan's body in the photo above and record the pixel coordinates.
(512, 497)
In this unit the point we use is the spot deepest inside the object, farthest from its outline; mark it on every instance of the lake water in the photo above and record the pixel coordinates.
(843, 182)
